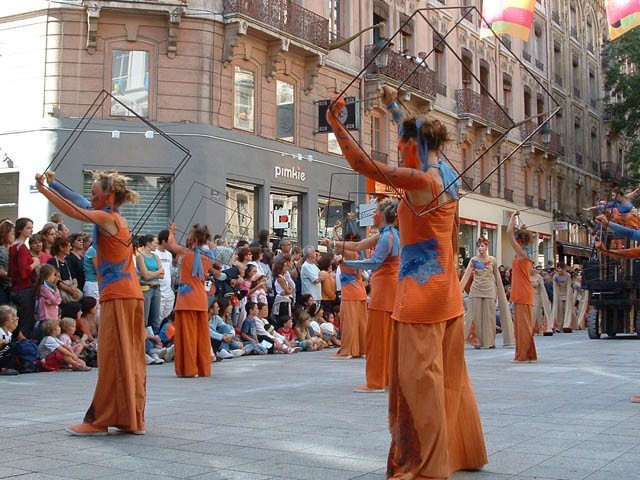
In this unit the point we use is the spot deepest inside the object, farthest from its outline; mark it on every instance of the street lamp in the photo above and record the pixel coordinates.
(546, 132)
(382, 53)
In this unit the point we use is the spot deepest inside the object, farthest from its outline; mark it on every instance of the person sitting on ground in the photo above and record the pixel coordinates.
(329, 330)
(287, 331)
(249, 332)
(301, 329)
(8, 323)
(68, 336)
(89, 317)
(222, 333)
(268, 334)
(317, 312)
(54, 354)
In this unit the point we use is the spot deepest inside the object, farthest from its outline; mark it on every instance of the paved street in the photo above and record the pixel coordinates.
(296, 417)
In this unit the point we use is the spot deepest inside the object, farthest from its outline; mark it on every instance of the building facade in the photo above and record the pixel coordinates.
(240, 85)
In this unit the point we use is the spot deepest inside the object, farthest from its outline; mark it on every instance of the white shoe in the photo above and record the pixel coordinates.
(237, 352)
(224, 354)
(162, 352)
(168, 356)
(156, 359)
(149, 360)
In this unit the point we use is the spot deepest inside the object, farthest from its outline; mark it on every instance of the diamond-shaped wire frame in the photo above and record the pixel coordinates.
(80, 128)
(509, 123)
(215, 201)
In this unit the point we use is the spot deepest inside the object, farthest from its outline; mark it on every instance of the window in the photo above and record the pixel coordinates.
(147, 187)
(288, 203)
(527, 102)
(335, 19)
(377, 137)
(577, 138)
(130, 82)
(239, 212)
(333, 146)
(467, 68)
(557, 63)
(244, 101)
(439, 63)
(285, 114)
(329, 212)
(507, 95)
(575, 62)
(538, 46)
(593, 91)
(484, 78)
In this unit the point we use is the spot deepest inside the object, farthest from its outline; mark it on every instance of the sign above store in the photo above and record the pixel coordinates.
(292, 173)
(560, 225)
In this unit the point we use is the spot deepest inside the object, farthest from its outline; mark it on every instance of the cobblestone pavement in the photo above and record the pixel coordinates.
(296, 417)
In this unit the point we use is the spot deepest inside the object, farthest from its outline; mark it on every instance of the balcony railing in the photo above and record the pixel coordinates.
(528, 200)
(576, 92)
(542, 204)
(594, 167)
(574, 32)
(593, 103)
(286, 16)
(379, 156)
(508, 195)
(467, 183)
(555, 16)
(481, 108)
(539, 64)
(526, 55)
(485, 188)
(579, 159)
(558, 79)
(507, 42)
(554, 144)
(400, 69)
(590, 46)
(609, 171)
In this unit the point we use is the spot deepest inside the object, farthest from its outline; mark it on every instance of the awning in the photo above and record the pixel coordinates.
(574, 249)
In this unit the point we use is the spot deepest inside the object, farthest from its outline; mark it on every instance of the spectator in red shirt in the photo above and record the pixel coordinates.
(21, 268)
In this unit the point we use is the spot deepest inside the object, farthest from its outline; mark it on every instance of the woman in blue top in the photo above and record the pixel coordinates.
(151, 271)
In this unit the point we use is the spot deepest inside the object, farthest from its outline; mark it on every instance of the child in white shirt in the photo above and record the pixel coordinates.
(55, 354)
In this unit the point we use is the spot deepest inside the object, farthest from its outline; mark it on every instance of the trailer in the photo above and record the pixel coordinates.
(614, 291)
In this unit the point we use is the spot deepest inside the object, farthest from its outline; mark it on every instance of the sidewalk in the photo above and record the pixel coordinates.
(295, 417)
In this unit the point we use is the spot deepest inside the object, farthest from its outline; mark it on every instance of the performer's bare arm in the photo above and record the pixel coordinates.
(624, 253)
(520, 253)
(173, 245)
(104, 219)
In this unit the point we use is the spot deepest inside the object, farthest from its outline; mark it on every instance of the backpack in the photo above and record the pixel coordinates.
(27, 353)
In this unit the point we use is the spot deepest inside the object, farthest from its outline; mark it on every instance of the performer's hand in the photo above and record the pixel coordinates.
(39, 180)
(389, 94)
(51, 176)
(599, 245)
(603, 220)
(172, 228)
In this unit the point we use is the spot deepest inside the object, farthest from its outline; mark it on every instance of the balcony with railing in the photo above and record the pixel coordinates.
(576, 92)
(420, 79)
(481, 109)
(555, 16)
(284, 17)
(593, 103)
(485, 188)
(467, 183)
(558, 79)
(507, 42)
(574, 32)
(526, 55)
(539, 64)
(548, 141)
(379, 156)
(594, 167)
(508, 195)
(590, 46)
(528, 200)
(610, 171)
(579, 159)
(542, 204)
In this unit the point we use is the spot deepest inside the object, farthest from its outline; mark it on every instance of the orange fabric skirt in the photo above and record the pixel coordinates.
(120, 395)
(433, 414)
(378, 343)
(525, 346)
(192, 344)
(353, 327)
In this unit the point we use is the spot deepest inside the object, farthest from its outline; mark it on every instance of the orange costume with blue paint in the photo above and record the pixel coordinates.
(192, 344)
(522, 298)
(433, 414)
(119, 398)
(353, 313)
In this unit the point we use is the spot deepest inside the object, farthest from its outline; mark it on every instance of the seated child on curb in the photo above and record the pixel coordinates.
(53, 353)
(316, 312)
(267, 332)
(329, 330)
(68, 337)
(222, 334)
(306, 342)
(249, 332)
(8, 323)
(287, 331)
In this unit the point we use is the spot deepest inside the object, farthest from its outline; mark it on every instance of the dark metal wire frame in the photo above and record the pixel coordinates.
(428, 208)
(80, 128)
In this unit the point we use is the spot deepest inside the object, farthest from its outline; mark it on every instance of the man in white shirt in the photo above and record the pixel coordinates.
(167, 295)
(311, 275)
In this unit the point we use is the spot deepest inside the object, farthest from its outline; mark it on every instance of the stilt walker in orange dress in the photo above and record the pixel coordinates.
(433, 415)
(119, 398)
(385, 264)
(192, 344)
(522, 291)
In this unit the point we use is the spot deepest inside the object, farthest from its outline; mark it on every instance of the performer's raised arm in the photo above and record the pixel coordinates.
(626, 232)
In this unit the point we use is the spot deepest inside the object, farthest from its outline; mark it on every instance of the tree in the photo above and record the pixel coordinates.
(621, 59)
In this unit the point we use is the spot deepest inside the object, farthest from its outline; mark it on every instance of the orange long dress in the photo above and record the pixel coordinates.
(381, 302)
(522, 298)
(353, 313)
(120, 395)
(192, 344)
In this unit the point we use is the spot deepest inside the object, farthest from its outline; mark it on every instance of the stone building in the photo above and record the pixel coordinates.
(241, 84)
